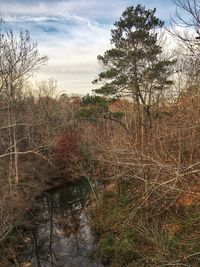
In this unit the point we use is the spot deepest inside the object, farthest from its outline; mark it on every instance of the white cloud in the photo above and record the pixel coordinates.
(73, 55)
(93, 9)
(72, 44)
(71, 33)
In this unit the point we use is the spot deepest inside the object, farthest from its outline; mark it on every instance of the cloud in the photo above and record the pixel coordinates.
(103, 11)
(71, 33)
(93, 9)
(72, 44)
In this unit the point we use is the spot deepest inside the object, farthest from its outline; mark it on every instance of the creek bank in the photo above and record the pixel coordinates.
(21, 201)
(57, 224)
(58, 182)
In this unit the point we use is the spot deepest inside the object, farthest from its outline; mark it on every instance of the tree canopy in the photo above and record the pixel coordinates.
(135, 65)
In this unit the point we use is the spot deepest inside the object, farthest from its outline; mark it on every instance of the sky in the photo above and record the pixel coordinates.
(72, 33)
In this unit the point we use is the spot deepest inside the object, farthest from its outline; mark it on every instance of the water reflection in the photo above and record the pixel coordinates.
(61, 234)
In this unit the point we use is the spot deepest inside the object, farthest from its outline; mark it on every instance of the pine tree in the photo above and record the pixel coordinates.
(134, 67)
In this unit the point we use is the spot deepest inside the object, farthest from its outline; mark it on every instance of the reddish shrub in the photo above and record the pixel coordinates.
(66, 152)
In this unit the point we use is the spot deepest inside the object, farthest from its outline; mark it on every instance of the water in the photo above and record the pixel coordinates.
(61, 234)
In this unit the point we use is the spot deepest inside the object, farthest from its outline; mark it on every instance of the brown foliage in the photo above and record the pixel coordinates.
(66, 152)
(159, 168)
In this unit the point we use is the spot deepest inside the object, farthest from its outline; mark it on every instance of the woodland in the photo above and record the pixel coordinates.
(138, 134)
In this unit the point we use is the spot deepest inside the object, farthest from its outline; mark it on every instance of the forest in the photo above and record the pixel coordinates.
(135, 139)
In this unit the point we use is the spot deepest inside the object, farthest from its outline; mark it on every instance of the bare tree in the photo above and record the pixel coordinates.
(18, 58)
(185, 27)
(188, 14)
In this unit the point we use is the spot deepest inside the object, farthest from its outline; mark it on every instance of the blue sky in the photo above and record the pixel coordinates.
(72, 33)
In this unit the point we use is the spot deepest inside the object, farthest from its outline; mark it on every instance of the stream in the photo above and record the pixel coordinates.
(60, 232)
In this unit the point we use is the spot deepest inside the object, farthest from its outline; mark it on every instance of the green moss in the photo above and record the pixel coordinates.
(107, 245)
(118, 251)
